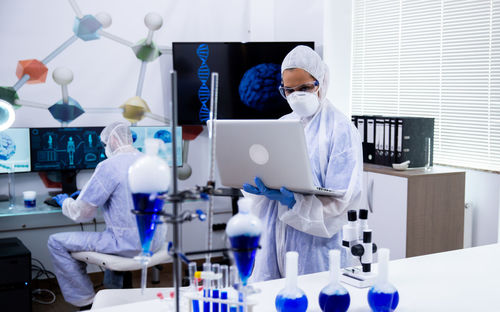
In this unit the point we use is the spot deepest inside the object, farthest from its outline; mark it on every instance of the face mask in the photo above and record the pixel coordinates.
(303, 103)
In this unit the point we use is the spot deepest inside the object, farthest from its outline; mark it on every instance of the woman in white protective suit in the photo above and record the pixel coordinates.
(107, 188)
(309, 224)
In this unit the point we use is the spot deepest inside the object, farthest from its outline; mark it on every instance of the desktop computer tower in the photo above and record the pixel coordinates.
(15, 276)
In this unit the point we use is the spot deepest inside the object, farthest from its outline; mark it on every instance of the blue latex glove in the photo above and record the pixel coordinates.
(60, 198)
(75, 194)
(283, 195)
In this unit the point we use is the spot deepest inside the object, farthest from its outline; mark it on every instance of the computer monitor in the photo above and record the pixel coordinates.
(15, 150)
(139, 134)
(66, 148)
(249, 78)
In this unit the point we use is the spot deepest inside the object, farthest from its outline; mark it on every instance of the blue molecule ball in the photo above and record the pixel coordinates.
(259, 87)
(163, 135)
(7, 146)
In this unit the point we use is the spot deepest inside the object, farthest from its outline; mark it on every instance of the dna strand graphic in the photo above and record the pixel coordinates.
(203, 74)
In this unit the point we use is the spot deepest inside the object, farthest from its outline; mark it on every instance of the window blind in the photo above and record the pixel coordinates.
(433, 58)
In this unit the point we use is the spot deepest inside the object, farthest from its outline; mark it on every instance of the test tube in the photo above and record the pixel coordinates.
(224, 285)
(193, 284)
(216, 287)
(12, 188)
(233, 276)
(207, 267)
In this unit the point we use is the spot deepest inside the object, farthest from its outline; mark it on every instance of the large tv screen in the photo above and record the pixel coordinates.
(249, 78)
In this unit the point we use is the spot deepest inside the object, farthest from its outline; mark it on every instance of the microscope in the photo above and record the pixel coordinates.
(357, 240)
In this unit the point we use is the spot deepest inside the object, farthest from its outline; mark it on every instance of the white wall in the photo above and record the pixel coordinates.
(337, 52)
(106, 73)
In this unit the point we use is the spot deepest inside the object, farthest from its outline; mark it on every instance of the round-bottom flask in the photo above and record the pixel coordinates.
(383, 296)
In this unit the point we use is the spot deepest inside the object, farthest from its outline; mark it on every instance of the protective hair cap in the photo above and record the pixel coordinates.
(307, 59)
(116, 136)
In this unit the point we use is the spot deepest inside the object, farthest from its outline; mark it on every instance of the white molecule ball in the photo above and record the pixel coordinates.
(153, 21)
(62, 75)
(104, 18)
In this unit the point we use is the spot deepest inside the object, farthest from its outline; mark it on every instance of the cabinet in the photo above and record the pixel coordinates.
(416, 212)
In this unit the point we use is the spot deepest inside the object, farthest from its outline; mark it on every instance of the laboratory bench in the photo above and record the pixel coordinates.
(459, 280)
(33, 226)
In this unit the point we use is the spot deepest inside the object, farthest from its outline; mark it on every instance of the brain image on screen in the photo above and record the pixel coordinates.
(163, 135)
(259, 87)
(7, 146)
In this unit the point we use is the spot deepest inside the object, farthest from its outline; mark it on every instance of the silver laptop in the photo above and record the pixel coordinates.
(273, 150)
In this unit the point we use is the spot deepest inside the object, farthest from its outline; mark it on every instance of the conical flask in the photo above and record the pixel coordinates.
(244, 231)
(148, 177)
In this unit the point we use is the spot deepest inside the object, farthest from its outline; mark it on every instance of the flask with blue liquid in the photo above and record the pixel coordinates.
(244, 231)
(148, 177)
(291, 298)
(383, 296)
(334, 297)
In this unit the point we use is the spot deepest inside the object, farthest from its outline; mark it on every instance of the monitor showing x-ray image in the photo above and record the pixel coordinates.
(249, 79)
(66, 148)
(140, 134)
(15, 150)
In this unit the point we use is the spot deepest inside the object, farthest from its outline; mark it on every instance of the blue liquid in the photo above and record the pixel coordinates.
(215, 305)
(30, 203)
(206, 304)
(245, 259)
(383, 301)
(336, 302)
(196, 306)
(223, 306)
(146, 224)
(285, 304)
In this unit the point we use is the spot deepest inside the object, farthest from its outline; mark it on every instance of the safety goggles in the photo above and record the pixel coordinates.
(306, 87)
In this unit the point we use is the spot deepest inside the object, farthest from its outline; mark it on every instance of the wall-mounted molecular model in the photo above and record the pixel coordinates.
(86, 27)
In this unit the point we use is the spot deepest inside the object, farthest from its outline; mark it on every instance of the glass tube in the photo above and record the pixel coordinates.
(12, 188)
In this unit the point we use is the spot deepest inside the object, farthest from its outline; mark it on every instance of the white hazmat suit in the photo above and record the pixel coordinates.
(107, 188)
(313, 225)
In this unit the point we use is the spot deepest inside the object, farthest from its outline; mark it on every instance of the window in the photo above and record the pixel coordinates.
(433, 58)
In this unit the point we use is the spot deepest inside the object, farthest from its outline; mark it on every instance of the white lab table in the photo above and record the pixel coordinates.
(461, 280)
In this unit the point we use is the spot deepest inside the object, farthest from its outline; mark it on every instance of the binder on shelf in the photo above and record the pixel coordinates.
(387, 143)
(393, 142)
(360, 123)
(415, 141)
(369, 147)
(379, 140)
